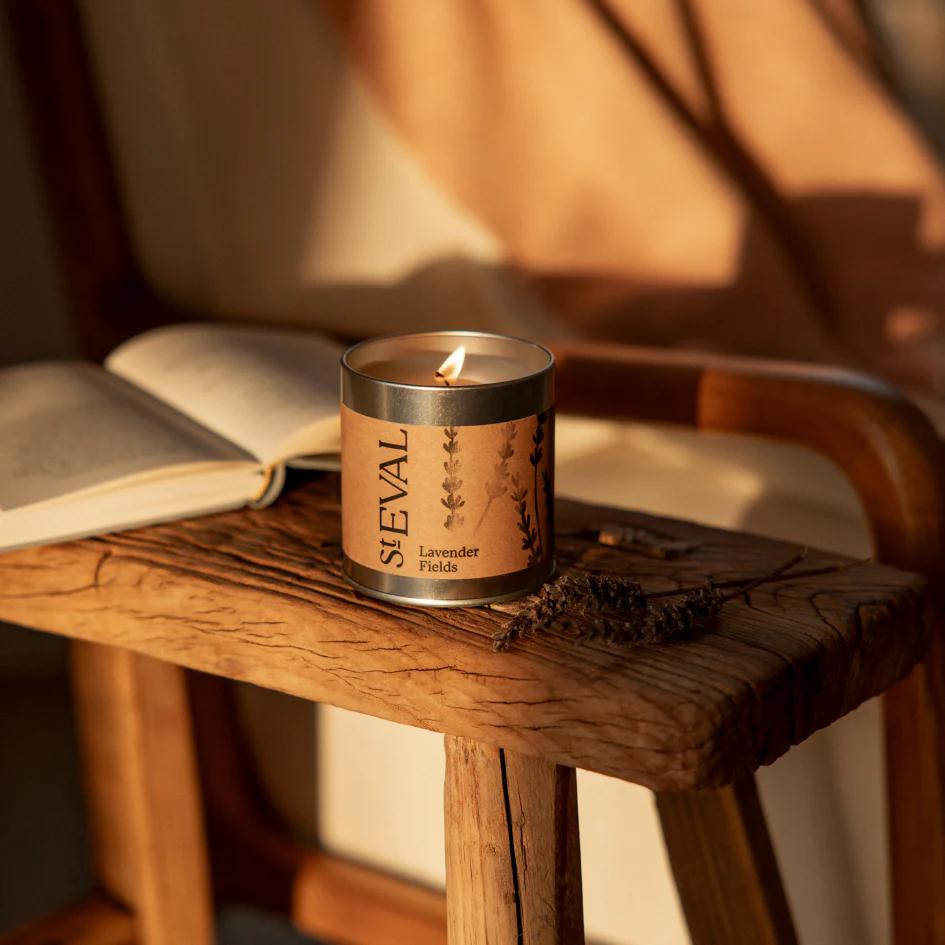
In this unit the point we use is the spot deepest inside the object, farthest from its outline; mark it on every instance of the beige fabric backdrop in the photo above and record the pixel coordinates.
(704, 159)
(267, 179)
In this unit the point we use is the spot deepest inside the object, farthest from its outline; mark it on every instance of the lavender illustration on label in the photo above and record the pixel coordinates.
(538, 437)
(452, 483)
(497, 486)
(519, 496)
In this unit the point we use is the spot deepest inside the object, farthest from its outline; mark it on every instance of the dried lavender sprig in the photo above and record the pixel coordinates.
(699, 607)
(694, 612)
(595, 593)
(671, 621)
(570, 593)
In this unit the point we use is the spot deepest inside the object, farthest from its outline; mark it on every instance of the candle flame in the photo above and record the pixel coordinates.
(450, 369)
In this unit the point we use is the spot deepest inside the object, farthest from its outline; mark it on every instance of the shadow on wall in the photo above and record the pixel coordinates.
(882, 292)
(892, 304)
(264, 206)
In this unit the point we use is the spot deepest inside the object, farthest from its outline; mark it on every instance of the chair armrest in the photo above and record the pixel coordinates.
(880, 440)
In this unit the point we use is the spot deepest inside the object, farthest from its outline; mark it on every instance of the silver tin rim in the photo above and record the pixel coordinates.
(428, 592)
(430, 405)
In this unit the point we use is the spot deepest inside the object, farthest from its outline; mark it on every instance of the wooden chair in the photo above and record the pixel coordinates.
(142, 768)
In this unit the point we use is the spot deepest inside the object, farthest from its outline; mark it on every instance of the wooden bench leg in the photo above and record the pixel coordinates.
(513, 864)
(143, 795)
(724, 866)
(914, 712)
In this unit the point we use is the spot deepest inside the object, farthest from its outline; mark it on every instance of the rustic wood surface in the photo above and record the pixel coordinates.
(257, 595)
(96, 921)
(724, 866)
(143, 798)
(543, 812)
(482, 904)
(513, 859)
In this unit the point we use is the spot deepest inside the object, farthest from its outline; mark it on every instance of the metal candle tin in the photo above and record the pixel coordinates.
(447, 486)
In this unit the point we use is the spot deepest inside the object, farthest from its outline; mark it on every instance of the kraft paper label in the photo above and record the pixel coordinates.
(447, 502)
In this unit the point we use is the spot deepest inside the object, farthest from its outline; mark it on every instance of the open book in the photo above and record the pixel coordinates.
(181, 421)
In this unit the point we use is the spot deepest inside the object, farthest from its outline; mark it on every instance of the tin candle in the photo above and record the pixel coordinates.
(447, 467)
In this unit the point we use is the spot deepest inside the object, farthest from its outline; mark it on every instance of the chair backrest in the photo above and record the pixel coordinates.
(91, 235)
(283, 199)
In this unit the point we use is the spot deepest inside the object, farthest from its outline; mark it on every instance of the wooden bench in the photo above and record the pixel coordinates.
(257, 596)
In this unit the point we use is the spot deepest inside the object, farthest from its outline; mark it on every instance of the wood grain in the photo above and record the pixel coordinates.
(96, 921)
(542, 804)
(513, 865)
(257, 595)
(482, 903)
(724, 866)
(143, 796)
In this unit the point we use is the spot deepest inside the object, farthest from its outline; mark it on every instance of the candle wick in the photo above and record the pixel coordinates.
(441, 377)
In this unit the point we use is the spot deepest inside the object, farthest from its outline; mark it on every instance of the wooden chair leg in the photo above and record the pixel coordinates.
(914, 713)
(97, 921)
(143, 795)
(256, 860)
(724, 866)
(513, 863)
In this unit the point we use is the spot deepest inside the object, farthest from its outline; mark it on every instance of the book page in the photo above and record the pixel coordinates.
(132, 503)
(273, 392)
(67, 426)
